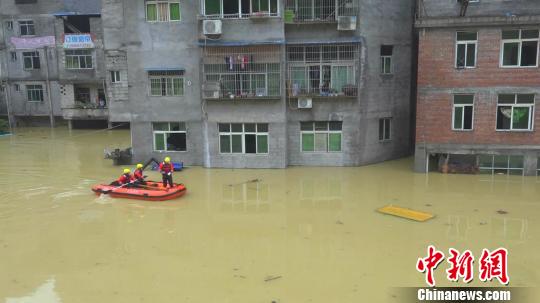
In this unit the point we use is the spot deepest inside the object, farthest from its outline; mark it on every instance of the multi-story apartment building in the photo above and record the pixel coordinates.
(52, 60)
(266, 83)
(478, 86)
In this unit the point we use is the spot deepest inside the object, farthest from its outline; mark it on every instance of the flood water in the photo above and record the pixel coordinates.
(292, 235)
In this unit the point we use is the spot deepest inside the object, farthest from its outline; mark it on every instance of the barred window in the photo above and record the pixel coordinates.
(166, 83)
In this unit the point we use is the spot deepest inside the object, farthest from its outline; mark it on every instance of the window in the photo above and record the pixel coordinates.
(13, 56)
(386, 59)
(239, 8)
(9, 25)
(26, 28)
(166, 83)
(169, 136)
(462, 114)
(34, 93)
(515, 112)
(519, 48)
(384, 129)
(31, 60)
(321, 136)
(247, 138)
(501, 164)
(318, 11)
(17, 88)
(466, 49)
(323, 70)
(162, 11)
(25, 1)
(115, 76)
(79, 59)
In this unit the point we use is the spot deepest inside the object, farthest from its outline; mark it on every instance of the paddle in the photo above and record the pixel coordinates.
(109, 191)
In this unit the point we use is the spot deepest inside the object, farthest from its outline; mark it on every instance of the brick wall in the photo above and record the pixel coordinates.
(438, 80)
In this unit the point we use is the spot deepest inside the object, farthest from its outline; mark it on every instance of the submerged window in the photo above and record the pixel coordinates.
(169, 136)
(462, 114)
(385, 129)
(31, 60)
(501, 164)
(26, 28)
(466, 49)
(79, 59)
(162, 10)
(519, 48)
(515, 111)
(321, 136)
(386, 59)
(166, 83)
(34, 93)
(247, 138)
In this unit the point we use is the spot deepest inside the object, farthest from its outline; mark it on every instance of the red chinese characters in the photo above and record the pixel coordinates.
(429, 264)
(494, 265)
(461, 265)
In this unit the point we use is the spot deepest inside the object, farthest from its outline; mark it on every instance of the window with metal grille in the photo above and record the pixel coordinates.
(26, 28)
(246, 138)
(244, 72)
(298, 11)
(169, 136)
(78, 59)
(162, 11)
(322, 70)
(166, 83)
(31, 60)
(34, 93)
(321, 136)
(239, 8)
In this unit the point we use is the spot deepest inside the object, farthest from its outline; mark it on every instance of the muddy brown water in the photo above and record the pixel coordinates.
(301, 234)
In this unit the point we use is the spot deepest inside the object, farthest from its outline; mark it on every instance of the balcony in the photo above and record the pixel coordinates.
(326, 71)
(251, 72)
(239, 9)
(318, 11)
(85, 113)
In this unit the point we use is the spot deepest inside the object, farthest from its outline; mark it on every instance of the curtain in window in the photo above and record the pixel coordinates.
(212, 7)
(340, 77)
(334, 142)
(308, 142)
(151, 12)
(174, 11)
(163, 9)
(298, 79)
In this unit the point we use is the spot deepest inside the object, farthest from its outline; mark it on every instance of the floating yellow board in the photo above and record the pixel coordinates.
(405, 213)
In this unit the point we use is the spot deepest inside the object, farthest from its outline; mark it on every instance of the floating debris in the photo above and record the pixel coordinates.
(245, 182)
(405, 213)
(483, 223)
(271, 278)
(502, 212)
(428, 205)
(339, 222)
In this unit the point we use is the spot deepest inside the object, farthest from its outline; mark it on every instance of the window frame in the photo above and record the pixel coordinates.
(493, 168)
(531, 107)
(79, 57)
(454, 105)
(520, 48)
(169, 131)
(328, 132)
(386, 130)
(28, 24)
(156, 3)
(162, 78)
(241, 15)
(33, 89)
(243, 134)
(32, 57)
(466, 43)
(385, 59)
(115, 76)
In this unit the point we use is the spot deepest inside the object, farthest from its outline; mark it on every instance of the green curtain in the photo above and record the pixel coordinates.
(334, 143)
(151, 12)
(178, 86)
(212, 7)
(273, 84)
(308, 142)
(262, 144)
(159, 140)
(339, 77)
(236, 143)
(174, 10)
(298, 78)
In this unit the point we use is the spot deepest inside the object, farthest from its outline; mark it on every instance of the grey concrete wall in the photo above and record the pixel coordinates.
(444, 8)
(21, 107)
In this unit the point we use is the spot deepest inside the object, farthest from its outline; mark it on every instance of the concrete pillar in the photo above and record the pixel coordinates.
(530, 162)
(70, 124)
(420, 159)
(109, 125)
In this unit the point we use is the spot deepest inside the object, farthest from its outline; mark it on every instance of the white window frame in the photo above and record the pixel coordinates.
(36, 89)
(327, 132)
(13, 56)
(531, 107)
(165, 78)
(157, 2)
(520, 42)
(9, 25)
(164, 133)
(79, 58)
(32, 56)
(385, 131)
(454, 106)
(240, 15)
(466, 43)
(27, 23)
(230, 133)
(494, 168)
(115, 76)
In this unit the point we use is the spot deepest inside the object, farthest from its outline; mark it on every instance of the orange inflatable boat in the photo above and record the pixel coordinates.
(151, 191)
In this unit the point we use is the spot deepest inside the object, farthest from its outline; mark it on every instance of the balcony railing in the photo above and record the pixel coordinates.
(242, 72)
(318, 11)
(322, 70)
(238, 9)
(85, 113)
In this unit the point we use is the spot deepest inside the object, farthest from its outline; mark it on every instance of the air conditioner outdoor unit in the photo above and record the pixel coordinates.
(212, 27)
(305, 103)
(346, 23)
(211, 90)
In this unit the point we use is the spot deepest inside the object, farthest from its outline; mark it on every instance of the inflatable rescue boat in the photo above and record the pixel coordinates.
(151, 191)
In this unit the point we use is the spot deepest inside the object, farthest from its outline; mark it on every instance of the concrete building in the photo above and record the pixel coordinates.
(261, 84)
(52, 61)
(478, 86)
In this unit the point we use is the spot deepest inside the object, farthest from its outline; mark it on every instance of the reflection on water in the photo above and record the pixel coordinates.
(313, 231)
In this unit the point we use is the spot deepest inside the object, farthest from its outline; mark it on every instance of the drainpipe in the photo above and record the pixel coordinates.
(8, 105)
(49, 98)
